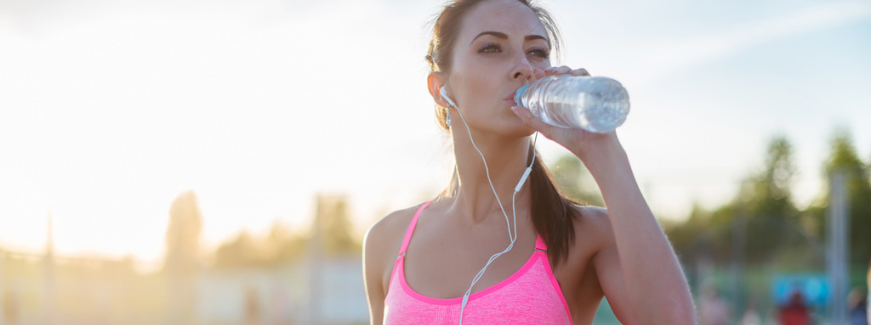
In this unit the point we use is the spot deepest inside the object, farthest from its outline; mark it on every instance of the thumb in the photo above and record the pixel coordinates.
(530, 120)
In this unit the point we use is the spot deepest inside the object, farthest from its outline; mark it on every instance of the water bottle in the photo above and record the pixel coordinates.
(595, 104)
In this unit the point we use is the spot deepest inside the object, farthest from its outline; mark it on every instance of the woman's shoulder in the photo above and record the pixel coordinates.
(381, 246)
(386, 234)
(396, 221)
(593, 235)
(593, 228)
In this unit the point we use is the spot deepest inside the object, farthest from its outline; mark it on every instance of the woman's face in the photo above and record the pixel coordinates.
(500, 44)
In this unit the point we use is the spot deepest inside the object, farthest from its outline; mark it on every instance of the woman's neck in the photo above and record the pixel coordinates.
(506, 161)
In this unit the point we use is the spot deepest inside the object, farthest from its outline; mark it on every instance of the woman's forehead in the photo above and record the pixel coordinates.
(510, 17)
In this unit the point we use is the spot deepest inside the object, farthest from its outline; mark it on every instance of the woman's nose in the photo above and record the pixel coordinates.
(522, 68)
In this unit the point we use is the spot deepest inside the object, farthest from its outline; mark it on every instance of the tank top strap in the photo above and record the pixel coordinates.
(410, 230)
(539, 243)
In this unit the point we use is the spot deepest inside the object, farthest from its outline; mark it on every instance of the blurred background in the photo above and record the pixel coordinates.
(218, 162)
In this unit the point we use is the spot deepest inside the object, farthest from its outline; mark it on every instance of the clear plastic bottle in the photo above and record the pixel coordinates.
(595, 104)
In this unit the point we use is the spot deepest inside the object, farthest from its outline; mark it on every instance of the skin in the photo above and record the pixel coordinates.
(615, 248)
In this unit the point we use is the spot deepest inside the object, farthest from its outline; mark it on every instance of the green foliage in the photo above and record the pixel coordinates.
(761, 218)
(245, 250)
(331, 234)
(334, 226)
(695, 237)
(575, 181)
(775, 231)
(768, 193)
(843, 158)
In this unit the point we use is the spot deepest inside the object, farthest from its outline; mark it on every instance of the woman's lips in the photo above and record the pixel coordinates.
(510, 99)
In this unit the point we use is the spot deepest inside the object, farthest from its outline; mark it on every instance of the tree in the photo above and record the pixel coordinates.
(771, 193)
(183, 234)
(283, 244)
(843, 157)
(575, 181)
(182, 255)
(279, 246)
(240, 251)
(696, 237)
(762, 209)
(333, 228)
(766, 202)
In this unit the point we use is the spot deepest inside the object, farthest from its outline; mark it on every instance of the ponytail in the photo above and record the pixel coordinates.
(553, 214)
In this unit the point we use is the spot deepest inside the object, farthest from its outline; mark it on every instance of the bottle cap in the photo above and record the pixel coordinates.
(518, 94)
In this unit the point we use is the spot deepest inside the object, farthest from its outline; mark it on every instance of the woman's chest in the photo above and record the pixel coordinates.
(443, 266)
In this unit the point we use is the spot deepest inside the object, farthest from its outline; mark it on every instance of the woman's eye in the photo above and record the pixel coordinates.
(490, 49)
(540, 53)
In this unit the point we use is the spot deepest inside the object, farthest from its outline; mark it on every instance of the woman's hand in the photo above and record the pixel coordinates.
(579, 141)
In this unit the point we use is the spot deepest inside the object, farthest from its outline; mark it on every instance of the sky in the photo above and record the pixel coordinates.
(111, 109)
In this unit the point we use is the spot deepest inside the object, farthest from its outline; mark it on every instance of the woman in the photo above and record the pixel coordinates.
(561, 258)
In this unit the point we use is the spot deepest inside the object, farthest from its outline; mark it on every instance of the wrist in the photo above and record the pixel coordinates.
(609, 165)
(605, 152)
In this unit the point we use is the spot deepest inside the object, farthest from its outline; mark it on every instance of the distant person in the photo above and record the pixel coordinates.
(281, 306)
(795, 311)
(858, 305)
(713, 310)
(751, 315)
(560, 258)
(10, 308)
(252, 306)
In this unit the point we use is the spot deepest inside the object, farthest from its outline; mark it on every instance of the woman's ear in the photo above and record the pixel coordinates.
(434, 83)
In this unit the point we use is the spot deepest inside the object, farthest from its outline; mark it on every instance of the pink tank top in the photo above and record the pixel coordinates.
(532, 295)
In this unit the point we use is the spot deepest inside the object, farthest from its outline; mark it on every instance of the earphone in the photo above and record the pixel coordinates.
(446, 98)
(512, 237)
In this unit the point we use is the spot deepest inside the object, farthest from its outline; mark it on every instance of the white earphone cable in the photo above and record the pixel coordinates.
(511, 236)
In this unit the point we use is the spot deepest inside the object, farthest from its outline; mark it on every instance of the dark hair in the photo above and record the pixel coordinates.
(553, 214)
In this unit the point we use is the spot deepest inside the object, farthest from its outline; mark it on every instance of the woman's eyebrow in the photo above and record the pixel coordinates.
(505, 36)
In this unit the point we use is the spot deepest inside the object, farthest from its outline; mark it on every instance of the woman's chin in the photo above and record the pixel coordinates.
(516, 129)
(504, 125)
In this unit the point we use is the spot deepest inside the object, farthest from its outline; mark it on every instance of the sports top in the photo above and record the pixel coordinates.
(531, 295)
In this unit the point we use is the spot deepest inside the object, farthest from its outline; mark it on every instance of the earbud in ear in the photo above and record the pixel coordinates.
(444, 95)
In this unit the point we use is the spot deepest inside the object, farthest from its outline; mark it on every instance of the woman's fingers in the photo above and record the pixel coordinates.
(580, 72)
(557, 70)
(568, 138)
(527, 117)
(565, 70)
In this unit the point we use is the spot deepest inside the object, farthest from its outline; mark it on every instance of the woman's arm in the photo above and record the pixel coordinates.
(373, 273)
(380, 249)
(639, 270)
(606, 262)
(639, 273)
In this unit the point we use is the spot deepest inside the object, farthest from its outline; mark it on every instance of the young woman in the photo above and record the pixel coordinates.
(561, 258)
